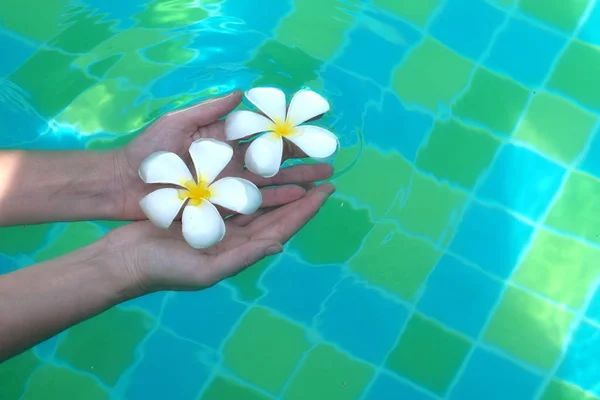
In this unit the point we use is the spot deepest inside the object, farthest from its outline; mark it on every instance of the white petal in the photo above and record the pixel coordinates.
(164, 167)
(240, 124)
(210, 157)
(236, 194)
(263, 156)
(314, 141)
(161, 206)
(202, 225)
(305, 105)
(270, 101)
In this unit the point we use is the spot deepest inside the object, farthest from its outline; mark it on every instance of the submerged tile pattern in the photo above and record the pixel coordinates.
(459, 258)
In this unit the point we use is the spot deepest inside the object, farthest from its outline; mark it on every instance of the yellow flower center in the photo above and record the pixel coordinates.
(196, 192)
(282, 128)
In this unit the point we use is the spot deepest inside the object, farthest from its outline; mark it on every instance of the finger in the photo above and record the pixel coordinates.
(280, 195)
(206, 112)
(296, 174)
(243, 220)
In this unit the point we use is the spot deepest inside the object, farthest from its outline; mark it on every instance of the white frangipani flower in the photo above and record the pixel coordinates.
(202, 224)
(264, 155)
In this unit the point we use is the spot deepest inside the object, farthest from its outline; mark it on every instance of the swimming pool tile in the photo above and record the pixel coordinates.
(459, 296)
(219, 311)
(491, 238)
(246, 282)
(559, 390)
(431, 75)
(556, 126)
(593, 310)
(416, 11)
(393, 126)
(175, 14)
(492, 100)
(560, 14)
(151, 303)
(264, 21)
(105, 345)
(457, 153)
(385, 385)
(560, 268)
(529, 193)
(169, 368)
(529, 328)
(577, 209)
(75, 236)
(63, 383)
(23, 239)
(19, 52)
(176, 51)
(378, 261)
(492, 377)
(581, 365)
(355, 314)
(317, 245)
(525, 52)
(428, 354)
(380, 37)
(590, 32)
(15, 373)
(429, 208)
(575, 74)
(297, 289)
(222, 388)
(40, 25)
(83, 31)
(328, 20)
(7, 264)
(265, 339)
(467, 26)
(328, 374)
(591, 160)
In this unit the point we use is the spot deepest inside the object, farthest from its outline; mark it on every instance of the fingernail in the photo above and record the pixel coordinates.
(274, 249)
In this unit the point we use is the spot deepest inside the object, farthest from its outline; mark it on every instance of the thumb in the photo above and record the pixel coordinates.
(207, 112)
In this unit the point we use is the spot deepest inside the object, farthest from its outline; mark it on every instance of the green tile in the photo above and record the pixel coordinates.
(23, 239)
(51, 382)
(560, 268)
(75, 236)
(172, 51)
(328, 374)
(577, 209)
(556, 126)
(506, 2)
(561, 14)
(318, 245)
(99, 69)
(429, 208)
(492, 100)
(529, 328)
(129, 41)
(108, 144)
(428, 354)
(457, 153)
(223, 388)
(379, 261)
(360, 180)
(266, 340)
(285, 67)
(559, 390)
(246, 282)
(576, 75)
(170, 14)
(137, 70)
(431, 74)
(84, 31)
(417, 11)
(105, 345)
(40, 25)
(14, 374)
(328, 21)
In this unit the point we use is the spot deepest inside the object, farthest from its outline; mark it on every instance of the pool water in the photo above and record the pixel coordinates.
(459, 258)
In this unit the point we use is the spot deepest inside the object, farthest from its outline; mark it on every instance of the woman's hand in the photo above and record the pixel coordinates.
(175, 132)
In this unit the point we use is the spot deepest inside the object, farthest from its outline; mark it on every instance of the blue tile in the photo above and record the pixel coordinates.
(119, 11)
(525, 52)
(380, 38)
(15, 52)
(170, 369)
(491, 238)
(467, 26)
(151, 302)
(264, 21)
(490, 377)
(47, 348)
(205, 317)
(591, 163)
(354, 315)
(590, 32)
(7, 264)
(18, 124)
(459, 296)
(581, 365)
(522, 181)
(297, 289)
(386, 387)
(593, 310)
(394, 127)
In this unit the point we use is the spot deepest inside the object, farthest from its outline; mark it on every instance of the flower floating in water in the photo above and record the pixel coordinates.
(202, 224)
(264, 155)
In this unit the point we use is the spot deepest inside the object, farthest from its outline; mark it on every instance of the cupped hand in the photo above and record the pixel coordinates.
(176, 131)
(155, 259)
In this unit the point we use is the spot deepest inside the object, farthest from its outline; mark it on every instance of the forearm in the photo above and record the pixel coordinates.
(40, 301)
(51, 186)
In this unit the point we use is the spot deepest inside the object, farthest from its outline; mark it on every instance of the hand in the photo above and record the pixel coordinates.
(177, 130)
(154, 259)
